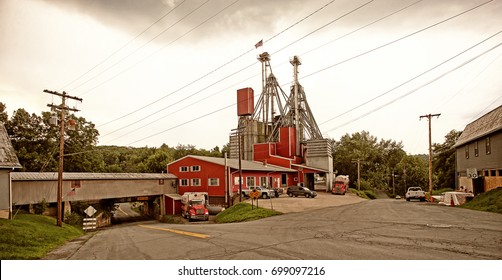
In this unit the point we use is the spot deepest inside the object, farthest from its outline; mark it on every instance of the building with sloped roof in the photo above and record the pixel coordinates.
(8, 162)
(219, 177)
(479, 153)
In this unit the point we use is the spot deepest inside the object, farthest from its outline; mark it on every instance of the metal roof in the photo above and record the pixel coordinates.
(245, 164)
(8, 158)
(485, 125)
(49, 176)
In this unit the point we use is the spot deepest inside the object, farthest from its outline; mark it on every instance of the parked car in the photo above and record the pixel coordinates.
(297, 190)
(398, 197)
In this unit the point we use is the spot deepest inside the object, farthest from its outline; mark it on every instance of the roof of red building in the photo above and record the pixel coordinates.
(245, 164)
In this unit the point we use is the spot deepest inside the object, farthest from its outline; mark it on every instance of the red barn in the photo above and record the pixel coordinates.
(219, 177)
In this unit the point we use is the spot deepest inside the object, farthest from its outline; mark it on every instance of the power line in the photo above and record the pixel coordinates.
(137, 49)
(325, 25)
(410, 80)
(416, 89)
(216, 69)
(248, 66)
(321, 69)
(125, 45)
(349, 59)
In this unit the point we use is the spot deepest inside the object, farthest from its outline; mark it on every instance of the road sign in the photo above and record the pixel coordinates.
(254, 194)
(89, 223)
(90, 211)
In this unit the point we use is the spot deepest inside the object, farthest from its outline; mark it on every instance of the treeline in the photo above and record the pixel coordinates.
(383, 162)
(37, 147)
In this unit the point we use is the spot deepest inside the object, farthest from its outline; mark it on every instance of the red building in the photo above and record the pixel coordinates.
(219, 177)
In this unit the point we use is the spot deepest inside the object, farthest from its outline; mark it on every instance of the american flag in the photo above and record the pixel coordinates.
(259, 44)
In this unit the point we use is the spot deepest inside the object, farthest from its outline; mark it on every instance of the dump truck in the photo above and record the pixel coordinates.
(194, 206)
(341, 184)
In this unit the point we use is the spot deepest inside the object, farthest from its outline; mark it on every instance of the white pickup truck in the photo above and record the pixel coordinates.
(415, 193)
(264, 192)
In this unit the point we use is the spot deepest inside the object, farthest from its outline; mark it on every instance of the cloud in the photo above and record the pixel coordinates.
(131, 16)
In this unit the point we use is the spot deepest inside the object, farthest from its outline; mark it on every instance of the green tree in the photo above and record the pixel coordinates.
(379, 159)
(411, 171)
(4, 117)
(444, 161)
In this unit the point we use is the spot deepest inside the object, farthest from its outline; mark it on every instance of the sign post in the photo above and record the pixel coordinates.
(254, 194)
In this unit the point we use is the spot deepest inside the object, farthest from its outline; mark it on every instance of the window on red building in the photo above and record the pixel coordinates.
(195, 182)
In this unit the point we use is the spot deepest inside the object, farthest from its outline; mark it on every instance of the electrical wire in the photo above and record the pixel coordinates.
(412, 79)
(311, 74)
(415, 90)
(214, 70)
(123, 46)
(137, 49)
(248, 66)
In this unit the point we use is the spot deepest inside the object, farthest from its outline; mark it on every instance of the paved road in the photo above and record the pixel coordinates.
(379, 229)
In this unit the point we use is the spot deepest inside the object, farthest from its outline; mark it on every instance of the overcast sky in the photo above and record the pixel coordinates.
(153, 72)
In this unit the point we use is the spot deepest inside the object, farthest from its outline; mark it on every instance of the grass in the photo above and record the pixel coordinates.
(31, 237)
(490, 201)
(242, 212)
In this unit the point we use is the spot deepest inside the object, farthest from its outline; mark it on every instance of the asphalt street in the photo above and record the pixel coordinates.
(382, 229)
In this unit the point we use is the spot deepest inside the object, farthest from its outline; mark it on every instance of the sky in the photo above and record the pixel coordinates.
(153, 72)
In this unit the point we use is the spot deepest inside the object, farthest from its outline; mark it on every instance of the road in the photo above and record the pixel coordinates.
(371, 230)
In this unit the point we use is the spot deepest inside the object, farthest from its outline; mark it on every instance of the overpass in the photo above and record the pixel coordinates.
(30, 188)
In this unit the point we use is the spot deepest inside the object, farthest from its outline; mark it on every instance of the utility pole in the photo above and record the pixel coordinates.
(429, 116)
(62, 109)
(358, 173)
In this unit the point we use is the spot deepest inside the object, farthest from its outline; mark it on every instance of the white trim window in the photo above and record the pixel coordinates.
(195, 168)
(213, 182)
(250, 181)
(183, 182)
(183, 168)
(195, 182)
(263, 181)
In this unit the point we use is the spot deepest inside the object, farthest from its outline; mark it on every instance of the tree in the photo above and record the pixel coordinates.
(379, 158)
(4, 117)
(444, 161)
(411, 171)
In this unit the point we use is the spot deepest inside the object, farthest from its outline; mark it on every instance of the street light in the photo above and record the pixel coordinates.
(393, 187)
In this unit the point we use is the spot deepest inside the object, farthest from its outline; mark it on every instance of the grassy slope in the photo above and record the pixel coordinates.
(242, 212)
(490, 201)
(29, 237)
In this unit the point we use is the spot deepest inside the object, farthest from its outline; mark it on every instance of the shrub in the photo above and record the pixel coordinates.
(73, 219)
(370, 194)
(40, 207)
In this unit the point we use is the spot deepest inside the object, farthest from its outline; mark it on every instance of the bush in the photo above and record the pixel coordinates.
(370, 194)
(73, 219)
(40, 207)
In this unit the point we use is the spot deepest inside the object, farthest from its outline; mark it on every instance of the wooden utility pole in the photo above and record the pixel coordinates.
(62, 109)
(358, 161)
(429, 116)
